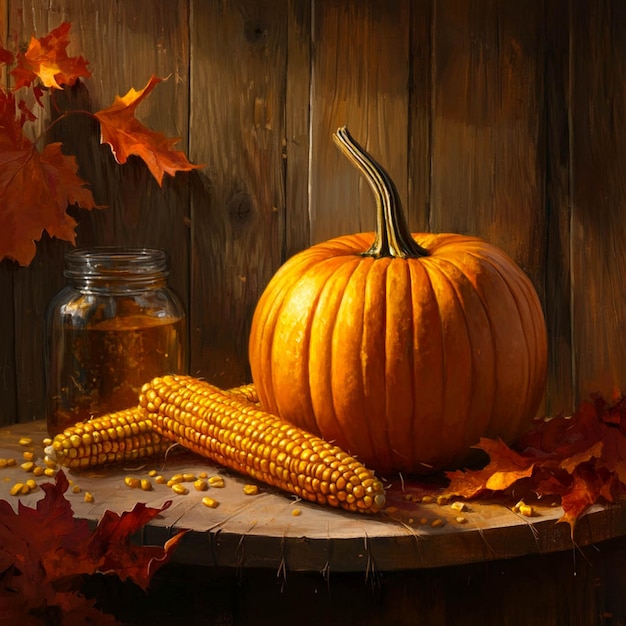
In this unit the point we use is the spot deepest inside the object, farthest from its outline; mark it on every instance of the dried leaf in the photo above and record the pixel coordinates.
(127, 136)
(46, 59)
(581, 460)
(45, 552)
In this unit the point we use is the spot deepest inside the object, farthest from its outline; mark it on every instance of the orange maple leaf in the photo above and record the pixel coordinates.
(46, 58)
(35, 188)
(127, 136)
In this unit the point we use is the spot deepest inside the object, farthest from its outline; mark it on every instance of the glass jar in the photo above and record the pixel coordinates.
(112, 328)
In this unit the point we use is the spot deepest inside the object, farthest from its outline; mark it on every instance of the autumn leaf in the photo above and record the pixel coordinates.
(46, 551)
(127, 136)
(6, 56)
(35, 188)
(46, 59)
(579, 459)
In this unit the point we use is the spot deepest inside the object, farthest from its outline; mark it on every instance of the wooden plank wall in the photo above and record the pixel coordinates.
(501, 119)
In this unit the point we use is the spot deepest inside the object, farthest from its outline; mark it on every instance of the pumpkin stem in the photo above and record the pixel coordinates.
(393, 237)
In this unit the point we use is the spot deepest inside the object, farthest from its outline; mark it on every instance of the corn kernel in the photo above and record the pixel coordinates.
(146, 485)
(427, 499)
(38, 470)
(210, 502)
(189, 477)
(88, 497)
(76, 489)
(461, 519)
(216, 481)
(3, 463)
(25, 441)
(437, 523)
(11, 462)
(19, 489)
(132, 482)
(296, 512)
(152, 473)
(31, 484)
(46, 441)
(160, 480)
(200, 484)
(49, 472)
(180, 489)
(203, 475)
(28, 455)
(27, 466)
(458, 506)
(250, 490)
(441, 500)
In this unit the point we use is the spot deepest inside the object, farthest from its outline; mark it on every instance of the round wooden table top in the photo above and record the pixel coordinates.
(276, 530)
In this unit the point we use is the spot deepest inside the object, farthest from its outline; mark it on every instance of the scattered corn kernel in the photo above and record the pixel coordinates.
(200, 484)
(76, 489)
(296, 512)
(27, 466)
(458, 506)
(180, 489)
(423, 521)
(216, 481)
(250, 490)
(25, 441)
(38, 470)
(526, 510)
(19, 489)
(427, 499)
(49, 472)
(437, 523)
(146, 485)
(88, 496)
(210, 502)
(11, 462)
(28, 455)
(3, 463)
(46, 441)
(461, 519)
(48, 462)
(442, 500)
(189, 477)
(203, 475)
(31, 484)
(152, 473)
(176, 478)
(160, 480)
(132, 481)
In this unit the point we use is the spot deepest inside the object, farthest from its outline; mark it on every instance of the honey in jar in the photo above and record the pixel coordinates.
(113, 327)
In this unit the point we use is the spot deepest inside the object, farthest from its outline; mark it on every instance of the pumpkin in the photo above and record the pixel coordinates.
(402, 349)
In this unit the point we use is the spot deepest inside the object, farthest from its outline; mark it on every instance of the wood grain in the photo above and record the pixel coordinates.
(360, 77)
(238, 202)
(598, 111)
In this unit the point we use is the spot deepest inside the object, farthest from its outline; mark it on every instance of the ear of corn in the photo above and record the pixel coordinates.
(230, 428)
(239, 435)
(117, 437)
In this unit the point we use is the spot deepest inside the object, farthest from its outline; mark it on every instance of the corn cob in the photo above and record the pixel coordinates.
(117, 437)
(239, 435)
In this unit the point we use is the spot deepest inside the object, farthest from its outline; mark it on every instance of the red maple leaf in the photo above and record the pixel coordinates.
(35, 188)
(6, 56)
(580, 459)
(127, 136)
(45, 552)
(46, 59)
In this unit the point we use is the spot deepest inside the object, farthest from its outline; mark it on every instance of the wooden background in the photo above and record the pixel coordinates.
(497, 118)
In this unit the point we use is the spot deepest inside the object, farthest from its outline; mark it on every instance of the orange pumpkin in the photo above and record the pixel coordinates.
(402, 349)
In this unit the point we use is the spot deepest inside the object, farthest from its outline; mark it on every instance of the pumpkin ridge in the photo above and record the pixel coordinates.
(455, 345)
(502, 271)
(480, 409)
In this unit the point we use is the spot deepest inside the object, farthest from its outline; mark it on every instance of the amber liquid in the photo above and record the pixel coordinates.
(101, 368)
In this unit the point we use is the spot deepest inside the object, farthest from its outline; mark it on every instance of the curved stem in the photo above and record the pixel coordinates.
(393, 237)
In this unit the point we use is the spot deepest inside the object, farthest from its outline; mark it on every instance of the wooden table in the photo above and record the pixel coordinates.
(245, 533)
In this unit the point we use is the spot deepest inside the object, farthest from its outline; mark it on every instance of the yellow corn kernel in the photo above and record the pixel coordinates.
(160, 480)
(28, 455)
(296, 512)
(427, 499)
(49, 472)
(31, 484)
(132, 482)
(76, 489)
(203, 475)
(25, 441)
(146, 485)
(11, 462)
(210, 502)
(216, 481)
(3, 463)
(189, 477)
(458, 506)
(200, 484)
(27, 466)
(250, 490)
(19, 489)
(461, 519)
(88, 496)
(38, 470)
(152, 473)
(442, 500)
(46, 441)
(437, 523)
(526, 510)
(180, 489)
